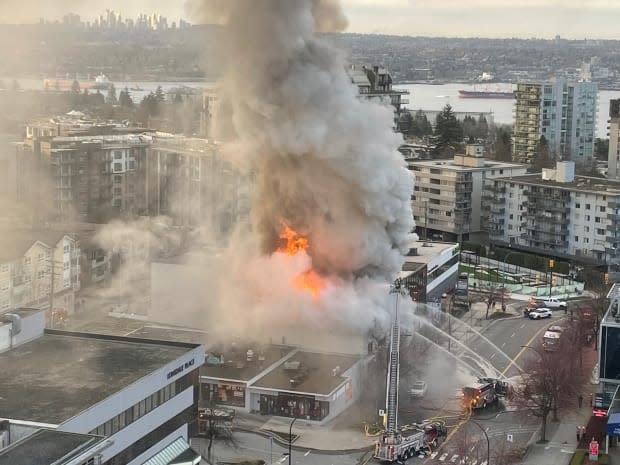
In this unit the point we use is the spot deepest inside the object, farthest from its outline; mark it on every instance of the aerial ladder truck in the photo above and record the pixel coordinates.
(399, 444)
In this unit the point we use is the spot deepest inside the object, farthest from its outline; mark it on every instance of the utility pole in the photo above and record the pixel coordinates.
(53, 275)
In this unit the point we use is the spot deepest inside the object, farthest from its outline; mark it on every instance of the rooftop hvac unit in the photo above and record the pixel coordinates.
(16, 322)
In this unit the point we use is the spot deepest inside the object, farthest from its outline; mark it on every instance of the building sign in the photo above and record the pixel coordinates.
(180, 369)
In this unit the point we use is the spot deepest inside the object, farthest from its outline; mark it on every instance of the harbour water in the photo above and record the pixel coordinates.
(422, 96)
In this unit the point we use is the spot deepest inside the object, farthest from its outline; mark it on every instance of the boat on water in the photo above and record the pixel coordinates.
(486, 94)
(101, 82)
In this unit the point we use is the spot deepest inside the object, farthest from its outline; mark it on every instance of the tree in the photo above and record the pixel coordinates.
(448, 131)
(501, 143)
(75, 93)
(124, 99)
(75, 87)
(159, 94)
(111, 99)
(482, 127)
(550, 381)
(588, 168)
(543, 157)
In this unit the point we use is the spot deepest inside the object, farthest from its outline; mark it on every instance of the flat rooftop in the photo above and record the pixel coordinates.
(581, 183)
(314, 374)
(449, 164)
(236, 365)
(46, 447)
(60, 374)
(426, 251)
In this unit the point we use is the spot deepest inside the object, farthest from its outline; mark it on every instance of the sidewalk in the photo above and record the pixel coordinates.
(306, 435)
(562, 435)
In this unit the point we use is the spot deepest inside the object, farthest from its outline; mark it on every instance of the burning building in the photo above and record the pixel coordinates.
(331, 218)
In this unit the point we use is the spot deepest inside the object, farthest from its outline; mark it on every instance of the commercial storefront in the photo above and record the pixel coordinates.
(293, 405)
(225, 393)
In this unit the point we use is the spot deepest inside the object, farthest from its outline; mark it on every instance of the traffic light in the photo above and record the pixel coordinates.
(551, 263)
(606, 278)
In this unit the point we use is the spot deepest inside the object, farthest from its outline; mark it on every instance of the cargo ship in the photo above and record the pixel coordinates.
(486, 94)
(101, 82)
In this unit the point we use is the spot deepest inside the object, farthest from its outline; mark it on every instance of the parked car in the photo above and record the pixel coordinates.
(554, 302)
(540, 313)
(418, 389)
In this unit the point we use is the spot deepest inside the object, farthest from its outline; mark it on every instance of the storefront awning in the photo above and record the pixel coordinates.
(177, 453)
(613, 424)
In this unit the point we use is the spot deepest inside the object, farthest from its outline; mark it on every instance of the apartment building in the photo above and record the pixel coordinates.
(95, 177)
(447, 200)
(613, 156)
(558, 214)
(39, 269)
(190, 182)
(561, 111)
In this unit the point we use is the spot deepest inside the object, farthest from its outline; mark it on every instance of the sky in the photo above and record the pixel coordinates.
(575, 19)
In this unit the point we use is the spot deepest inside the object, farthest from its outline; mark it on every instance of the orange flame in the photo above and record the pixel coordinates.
(292, 244)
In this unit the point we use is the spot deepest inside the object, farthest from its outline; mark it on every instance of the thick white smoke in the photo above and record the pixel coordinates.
(323, 161)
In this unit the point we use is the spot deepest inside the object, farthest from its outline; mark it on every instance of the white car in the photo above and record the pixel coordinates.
(418, 389)
(540, 313)
(553, 302)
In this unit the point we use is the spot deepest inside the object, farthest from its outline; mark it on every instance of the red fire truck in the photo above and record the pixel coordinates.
(484, 392)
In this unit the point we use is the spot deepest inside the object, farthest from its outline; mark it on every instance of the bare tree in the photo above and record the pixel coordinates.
(550, 381)
(504, 453)
(471, 448)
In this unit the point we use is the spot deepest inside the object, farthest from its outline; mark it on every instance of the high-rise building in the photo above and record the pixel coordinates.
(561, 111)
(613, 156)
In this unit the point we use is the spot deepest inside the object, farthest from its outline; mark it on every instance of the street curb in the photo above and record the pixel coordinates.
(299, 448)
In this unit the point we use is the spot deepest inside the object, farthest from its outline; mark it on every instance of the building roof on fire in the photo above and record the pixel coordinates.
(47, 446)
(316, 373)
(60, 374)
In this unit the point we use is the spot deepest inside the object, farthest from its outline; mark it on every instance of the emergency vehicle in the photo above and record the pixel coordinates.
(484, 392)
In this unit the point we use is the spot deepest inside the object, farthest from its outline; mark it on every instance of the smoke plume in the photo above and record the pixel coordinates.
(323, 161)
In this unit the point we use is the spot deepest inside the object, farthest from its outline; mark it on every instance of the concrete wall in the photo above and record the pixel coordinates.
(33, 326)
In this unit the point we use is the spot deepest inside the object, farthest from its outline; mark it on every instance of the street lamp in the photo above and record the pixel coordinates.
(290, 439)
(487, 438)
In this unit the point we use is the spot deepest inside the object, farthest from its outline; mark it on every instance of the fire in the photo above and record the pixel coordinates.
(292, 244)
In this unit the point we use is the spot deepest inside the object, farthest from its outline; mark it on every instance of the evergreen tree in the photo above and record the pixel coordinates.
(75, 94)
(482, 127)
(501, 149)
(112, 100)
(159, 94)
(150, 104)
(124, 99)
(448, 131)
(543, 157)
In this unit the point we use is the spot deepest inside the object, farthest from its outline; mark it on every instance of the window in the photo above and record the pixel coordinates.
(118, 154)
(602, 209)
(577, 205)
(511, 216)
(4, 268)
(600, 231)
(576, 238)
(597, 219)
(117, 178)
(118, 191)
(118, 167)
(27, 261)
(502, 172)
(132, 165)
(587, 206)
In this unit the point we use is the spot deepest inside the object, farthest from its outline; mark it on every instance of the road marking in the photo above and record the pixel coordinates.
(487, 429)
(454, 457)
(512, 335)
(472, 448)
(492, 356)
(523, 349)
(503, 344)
(522, 326)
(483, 463)
(307, 454)
(434, 454)
(443, 457)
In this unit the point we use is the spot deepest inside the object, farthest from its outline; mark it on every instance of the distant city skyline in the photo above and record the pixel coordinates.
(572, 19)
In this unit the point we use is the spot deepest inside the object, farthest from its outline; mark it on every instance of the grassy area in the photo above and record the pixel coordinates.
(492, 277)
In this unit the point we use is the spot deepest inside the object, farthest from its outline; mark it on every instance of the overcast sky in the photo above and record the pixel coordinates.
(470, 18)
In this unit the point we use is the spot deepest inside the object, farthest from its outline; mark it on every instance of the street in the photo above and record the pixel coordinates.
(500, 344)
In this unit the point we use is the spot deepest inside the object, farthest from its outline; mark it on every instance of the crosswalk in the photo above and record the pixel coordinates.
(456, 459)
